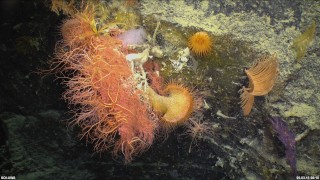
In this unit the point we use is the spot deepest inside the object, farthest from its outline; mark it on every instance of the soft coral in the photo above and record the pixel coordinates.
(101, 89)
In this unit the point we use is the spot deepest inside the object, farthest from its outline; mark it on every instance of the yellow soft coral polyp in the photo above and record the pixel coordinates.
(175, 107)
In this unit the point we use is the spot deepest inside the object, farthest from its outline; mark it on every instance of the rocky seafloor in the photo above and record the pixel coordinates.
(36, 142)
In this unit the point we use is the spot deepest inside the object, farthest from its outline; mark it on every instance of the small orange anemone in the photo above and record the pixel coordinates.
(176, 106)
(200, 43)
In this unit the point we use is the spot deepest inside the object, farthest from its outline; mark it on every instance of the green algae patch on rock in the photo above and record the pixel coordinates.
(306, 113)
(300, 110)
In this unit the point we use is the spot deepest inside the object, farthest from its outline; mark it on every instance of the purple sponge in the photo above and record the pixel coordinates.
(133, 37)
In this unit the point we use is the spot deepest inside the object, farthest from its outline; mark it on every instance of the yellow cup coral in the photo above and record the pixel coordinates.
(176, 106)
(200, 43)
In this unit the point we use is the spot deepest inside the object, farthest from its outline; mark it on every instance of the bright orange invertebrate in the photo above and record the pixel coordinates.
(176, 107)
(262, 76)
(200, 43)
(101, 90)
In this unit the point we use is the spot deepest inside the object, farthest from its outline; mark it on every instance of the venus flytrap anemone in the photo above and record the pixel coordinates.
(175, 106)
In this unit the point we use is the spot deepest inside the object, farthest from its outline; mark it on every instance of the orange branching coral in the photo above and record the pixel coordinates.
(74, 32)
(262, 76)
(108, 107)
(81, 26)
(200, 43)
(176, 106)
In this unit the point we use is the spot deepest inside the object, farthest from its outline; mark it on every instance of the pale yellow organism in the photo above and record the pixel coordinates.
(302, 42)
(175, 107)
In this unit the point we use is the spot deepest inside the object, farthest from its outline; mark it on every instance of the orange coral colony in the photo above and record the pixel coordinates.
(176, 107)
(200, 43)
(262, 76)
(107, 106)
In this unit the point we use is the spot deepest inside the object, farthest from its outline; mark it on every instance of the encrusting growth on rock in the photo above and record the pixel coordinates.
(262, 76)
